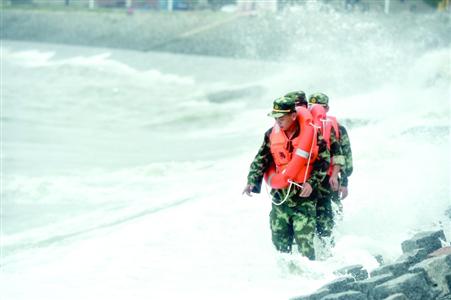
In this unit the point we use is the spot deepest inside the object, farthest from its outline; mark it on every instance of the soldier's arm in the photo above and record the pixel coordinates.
(345, 143)
(336, 152)
(343, 179)
(260, 164)
(337, 160)
(321, 164)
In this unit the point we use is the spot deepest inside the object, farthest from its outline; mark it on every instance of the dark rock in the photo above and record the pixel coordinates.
(430, 241)
(436, 269)
(422, 272)
(351, 295)
(366, 285)
(445, 297)
(340, 284)
(396, 268)
(319, 294)
(414, 286)
(448, 280)
(398, 296)
(412, 257)
(356, 271)
(379, 258)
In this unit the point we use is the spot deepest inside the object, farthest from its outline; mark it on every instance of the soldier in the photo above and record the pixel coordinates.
(345, 171)
(299, 98)
(293, 213)
(331, 187)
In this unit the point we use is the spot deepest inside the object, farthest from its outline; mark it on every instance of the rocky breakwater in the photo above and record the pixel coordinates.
(422, 272)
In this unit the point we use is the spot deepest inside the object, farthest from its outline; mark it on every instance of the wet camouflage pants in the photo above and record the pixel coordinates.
(324, 216)
(298, 223)
(327, 210)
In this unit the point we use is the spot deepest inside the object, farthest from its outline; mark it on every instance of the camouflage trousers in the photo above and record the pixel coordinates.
(294, 221)
(328, 208)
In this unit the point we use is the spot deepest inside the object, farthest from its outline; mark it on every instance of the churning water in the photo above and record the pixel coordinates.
(122, 171)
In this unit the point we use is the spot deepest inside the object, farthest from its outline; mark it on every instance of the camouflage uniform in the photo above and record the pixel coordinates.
(324, 210)
(296, 217)
(346, 170)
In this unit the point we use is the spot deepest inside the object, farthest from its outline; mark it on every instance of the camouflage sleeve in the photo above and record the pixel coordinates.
(321, 164)
(260, 164)
(336, 152)
(345, 143)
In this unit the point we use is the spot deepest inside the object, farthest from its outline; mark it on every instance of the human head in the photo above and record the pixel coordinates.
(284, 111)
(298, 97)
(319, 98)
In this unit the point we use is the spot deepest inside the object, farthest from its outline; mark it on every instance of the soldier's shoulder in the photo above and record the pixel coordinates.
(268, 132)
(342, 129)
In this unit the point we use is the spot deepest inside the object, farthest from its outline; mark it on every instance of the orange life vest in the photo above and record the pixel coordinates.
(292, 163)
(325, 123)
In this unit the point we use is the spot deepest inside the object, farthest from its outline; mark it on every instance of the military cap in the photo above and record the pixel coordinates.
(298, 97)
(282, 106)
(319, 98)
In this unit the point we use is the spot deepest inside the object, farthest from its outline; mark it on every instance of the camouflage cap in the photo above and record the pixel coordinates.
(282, 106)
(298, 97)
(319, 98)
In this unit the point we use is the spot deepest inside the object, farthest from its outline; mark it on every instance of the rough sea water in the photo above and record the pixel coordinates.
(122, 171)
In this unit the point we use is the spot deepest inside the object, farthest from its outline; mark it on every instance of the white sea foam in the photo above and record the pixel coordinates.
(122, 183)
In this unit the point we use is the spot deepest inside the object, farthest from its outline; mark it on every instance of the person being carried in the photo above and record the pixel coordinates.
(292, 139)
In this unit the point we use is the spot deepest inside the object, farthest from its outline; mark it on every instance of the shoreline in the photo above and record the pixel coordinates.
(204, 32)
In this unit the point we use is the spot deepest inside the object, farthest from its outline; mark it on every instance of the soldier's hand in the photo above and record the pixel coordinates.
(343, 191)
(247, 190)
(333, 181)
(306, 190)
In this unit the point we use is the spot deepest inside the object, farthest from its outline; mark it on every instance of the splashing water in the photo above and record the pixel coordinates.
(124, 182)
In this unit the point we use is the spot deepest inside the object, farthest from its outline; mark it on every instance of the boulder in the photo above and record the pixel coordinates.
(356, 271)
(397, 296)
(396, 268)
(412, 257)
(366, 285)
(430, 241)
(319, 294)
(436, 270)
(350, 295)
(413, 285)
(340, 284)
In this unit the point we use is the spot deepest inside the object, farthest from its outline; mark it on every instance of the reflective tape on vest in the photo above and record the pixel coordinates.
(269, 179)
(302, 153)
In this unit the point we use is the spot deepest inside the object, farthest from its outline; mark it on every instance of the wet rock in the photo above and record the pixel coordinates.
(319, 294)
(412, 257)
(380, 259)
(340, 284)
(430, 241)
(422, 272)
(351, 295)
(356, 271)
(366, 285)
(436, 269)
(396, 268)
(448, 281)
(398, 296)
(414, 286)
